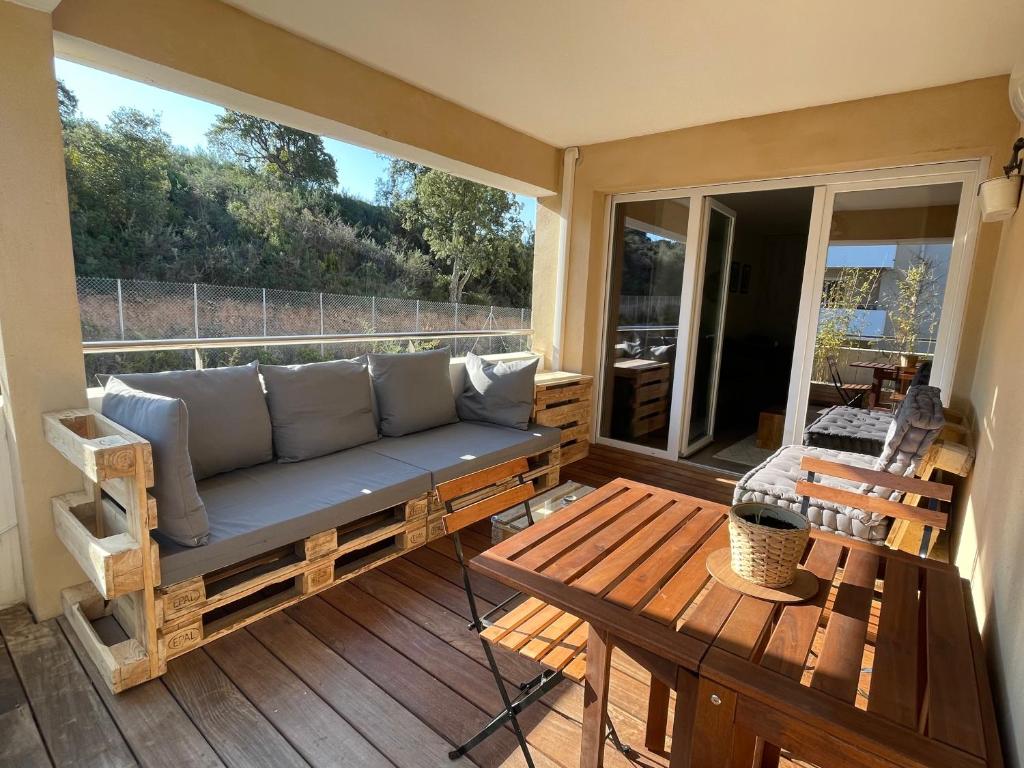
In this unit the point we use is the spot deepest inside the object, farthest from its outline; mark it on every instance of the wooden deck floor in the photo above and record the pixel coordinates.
(380, 671)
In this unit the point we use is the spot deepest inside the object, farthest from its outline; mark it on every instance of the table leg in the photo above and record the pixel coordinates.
(712, 730)
(657, 716)
(595, 698)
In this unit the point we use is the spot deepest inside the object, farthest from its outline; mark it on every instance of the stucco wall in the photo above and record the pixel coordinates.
(991, 507)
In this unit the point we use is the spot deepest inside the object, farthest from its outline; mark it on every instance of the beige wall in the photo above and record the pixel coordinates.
(991, 507)
(962, 121)
(41, 367)
(208, 49)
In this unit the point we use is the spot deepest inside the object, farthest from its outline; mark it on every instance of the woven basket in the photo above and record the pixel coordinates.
(761, 554)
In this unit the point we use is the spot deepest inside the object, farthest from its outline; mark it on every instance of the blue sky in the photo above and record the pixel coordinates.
(186, 120)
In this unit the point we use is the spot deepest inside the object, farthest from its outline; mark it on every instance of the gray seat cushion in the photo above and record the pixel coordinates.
(319, 408)
(229, 425)
(774, 482)
(413, 391)
(498, 393)
(844, 428)
(458, 449)
(258, 509)
(163, 421)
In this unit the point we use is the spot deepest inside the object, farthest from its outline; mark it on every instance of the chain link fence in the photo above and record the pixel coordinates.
(120, 312)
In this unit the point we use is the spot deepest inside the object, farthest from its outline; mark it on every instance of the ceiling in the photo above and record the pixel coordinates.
(573, 72)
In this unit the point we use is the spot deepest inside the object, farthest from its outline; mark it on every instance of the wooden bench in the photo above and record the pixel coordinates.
(107, 529)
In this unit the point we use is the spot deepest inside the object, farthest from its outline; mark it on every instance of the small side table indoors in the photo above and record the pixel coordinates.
(883, 667)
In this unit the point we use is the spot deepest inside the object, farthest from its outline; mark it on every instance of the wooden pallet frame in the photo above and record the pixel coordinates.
(648, 396)
(106, 528)
(564, 400)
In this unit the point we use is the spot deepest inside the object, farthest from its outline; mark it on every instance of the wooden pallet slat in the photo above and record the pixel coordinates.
(565, 401)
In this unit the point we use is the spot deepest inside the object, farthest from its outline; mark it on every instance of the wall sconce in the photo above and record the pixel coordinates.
(1000, 196)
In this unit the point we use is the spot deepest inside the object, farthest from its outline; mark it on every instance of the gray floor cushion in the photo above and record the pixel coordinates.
(458, 449)
(844, 428)
(257, 509)
(774, 482)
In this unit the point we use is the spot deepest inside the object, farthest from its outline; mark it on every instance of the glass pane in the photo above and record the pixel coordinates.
(649, 249)
(709, 335)
(881, 302)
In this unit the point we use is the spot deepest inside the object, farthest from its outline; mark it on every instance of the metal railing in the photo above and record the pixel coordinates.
(146, 316)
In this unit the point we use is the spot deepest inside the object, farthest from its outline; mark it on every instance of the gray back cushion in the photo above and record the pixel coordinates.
(163, 421)
(229, 425)
(413, 391)
(918, 421)
(319, 408)
(498, 393)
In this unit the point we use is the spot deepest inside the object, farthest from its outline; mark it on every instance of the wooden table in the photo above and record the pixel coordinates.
(630, 559)
(880, 373)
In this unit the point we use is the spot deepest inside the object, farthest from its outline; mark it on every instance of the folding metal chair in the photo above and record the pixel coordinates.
(850, 394)
(532, 628)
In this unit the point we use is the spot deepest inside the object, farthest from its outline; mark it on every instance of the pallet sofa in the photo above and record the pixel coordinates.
(278, 532)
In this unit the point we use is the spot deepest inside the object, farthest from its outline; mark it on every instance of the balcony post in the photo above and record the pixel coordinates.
(41, 368)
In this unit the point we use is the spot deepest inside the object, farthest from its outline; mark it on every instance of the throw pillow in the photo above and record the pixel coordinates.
(413, 391)
(498, 393)
(164, 422)
(319, 408)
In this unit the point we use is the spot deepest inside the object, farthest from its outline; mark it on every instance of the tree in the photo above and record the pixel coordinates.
(473, 230)
(838, 320)
(67, 103)
(913, 308)
(267, 147)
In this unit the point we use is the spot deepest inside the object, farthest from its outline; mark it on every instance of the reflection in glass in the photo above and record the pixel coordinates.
(648, 253)
(881, 301)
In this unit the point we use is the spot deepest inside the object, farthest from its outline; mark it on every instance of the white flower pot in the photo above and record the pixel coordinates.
(999, 197)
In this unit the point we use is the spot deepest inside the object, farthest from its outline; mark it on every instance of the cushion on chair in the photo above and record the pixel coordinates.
(845, 428)
(319, 408)
(458, 449)
(163, 421)
(258, 509)
(413, 391)
(229, 425)
(774, 482)
(918, 421)
(498, 392)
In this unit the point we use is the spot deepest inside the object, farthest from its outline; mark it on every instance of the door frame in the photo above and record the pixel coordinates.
(969, 172)
(700, 268)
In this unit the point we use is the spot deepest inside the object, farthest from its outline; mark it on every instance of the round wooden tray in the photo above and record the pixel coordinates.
(803, 588)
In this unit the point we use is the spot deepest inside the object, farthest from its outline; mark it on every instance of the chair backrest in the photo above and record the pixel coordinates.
(837, 380)
(918, 422)
(479, 505)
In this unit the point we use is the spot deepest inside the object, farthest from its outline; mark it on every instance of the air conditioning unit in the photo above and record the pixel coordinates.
(1017, 90)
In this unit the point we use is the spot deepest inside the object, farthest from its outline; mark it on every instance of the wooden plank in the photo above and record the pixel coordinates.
(525, 631)
(547, 638)
(71, 718)
(20, 741)
(112, 563)
(642, 583)
(713, 727)
(155, 727)
(710, 613)
(954, 710)
(924, 488)
(432, 701)
(460, 486)
(671, 599)
(746, 628)
(791, 640)
(385, 723)
(590, 552)
(572, 535)
(483, 509)
(320, 734)
(228, 720)
(502, 625)
(872, 504)
(895, 691)
(989, 718)
(643, 543)
(839, 663)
